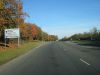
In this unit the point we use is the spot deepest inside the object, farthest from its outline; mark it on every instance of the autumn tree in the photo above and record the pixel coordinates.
(30, 31)
(11, 15)
(53, 37)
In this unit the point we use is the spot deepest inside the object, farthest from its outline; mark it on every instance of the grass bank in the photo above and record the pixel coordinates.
(88, 43)
(11, 53)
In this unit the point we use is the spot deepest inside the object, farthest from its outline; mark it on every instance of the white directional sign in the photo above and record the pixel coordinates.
(12, 33)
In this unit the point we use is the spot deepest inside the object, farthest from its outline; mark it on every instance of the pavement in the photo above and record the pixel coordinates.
(55, 58)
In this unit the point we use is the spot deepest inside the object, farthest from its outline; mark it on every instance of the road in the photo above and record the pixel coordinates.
(55, 58)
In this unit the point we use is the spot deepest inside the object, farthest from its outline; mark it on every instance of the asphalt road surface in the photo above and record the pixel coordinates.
(55, 58)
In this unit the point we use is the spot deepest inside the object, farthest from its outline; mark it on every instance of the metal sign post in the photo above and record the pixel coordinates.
(18, 41)
(5, 42)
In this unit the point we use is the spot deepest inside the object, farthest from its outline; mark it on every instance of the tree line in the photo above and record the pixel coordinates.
(12, 16)
(92, 35)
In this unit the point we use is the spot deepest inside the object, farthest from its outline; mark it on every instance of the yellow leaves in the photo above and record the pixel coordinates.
(3, 21)
(1, 4)
(29, 31)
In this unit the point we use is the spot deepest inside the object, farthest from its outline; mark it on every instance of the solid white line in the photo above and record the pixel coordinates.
(84, 62)
(38, 46)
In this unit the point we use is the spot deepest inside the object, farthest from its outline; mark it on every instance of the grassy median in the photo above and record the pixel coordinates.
(88, 43)
(11, 53)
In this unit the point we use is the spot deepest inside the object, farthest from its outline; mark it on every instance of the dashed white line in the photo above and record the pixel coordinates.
(84, 62)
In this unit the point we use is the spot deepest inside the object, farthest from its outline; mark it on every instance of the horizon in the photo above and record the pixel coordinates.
(63, 17)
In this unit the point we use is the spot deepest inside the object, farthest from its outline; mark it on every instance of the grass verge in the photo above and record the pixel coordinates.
(88, 43)
(11, 53)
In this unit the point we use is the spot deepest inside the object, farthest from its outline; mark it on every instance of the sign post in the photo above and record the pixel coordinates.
(12, 33)
(5, 42)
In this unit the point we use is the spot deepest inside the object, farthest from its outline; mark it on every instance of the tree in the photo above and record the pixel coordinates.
(11, 15)
(94, 34)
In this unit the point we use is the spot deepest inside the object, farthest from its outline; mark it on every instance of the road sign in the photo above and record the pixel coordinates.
(12, 33)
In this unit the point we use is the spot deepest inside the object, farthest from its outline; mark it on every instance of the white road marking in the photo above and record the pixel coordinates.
(38, 46)
(84, 62)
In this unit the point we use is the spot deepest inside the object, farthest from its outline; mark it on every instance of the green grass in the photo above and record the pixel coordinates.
(11, 53)
(88, 43)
